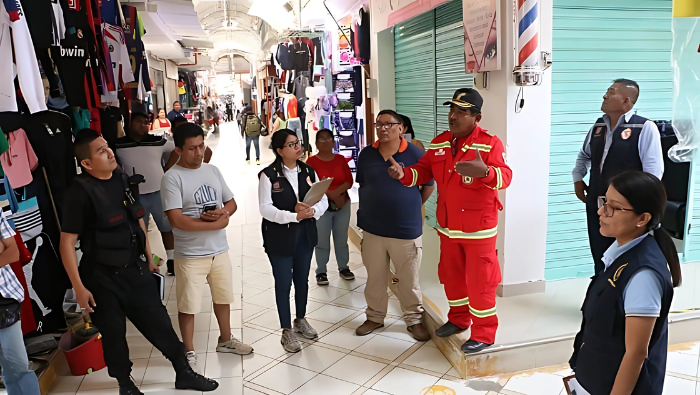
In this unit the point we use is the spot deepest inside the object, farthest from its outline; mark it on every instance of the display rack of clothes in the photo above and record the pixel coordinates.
(344, 117)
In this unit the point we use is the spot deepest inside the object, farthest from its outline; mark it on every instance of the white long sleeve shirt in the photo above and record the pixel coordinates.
(649, 148)
(272, 213)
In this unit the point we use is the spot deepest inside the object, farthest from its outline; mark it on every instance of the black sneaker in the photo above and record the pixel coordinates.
(322, 279)
(127, 387)
(347, 275)
(188, 379)
(171, 267)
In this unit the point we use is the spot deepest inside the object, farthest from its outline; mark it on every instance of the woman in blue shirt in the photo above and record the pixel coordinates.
(622, 345)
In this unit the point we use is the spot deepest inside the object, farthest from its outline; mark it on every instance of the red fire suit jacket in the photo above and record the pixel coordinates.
(467, 208)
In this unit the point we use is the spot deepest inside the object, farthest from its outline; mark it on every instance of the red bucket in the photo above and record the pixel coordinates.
(85, 357)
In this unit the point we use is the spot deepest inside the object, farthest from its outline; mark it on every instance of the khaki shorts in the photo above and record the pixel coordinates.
(191, 274)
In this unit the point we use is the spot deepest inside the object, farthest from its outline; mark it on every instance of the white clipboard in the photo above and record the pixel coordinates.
(573, 387)
(318, 189)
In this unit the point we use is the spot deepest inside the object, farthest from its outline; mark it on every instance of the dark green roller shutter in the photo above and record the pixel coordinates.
(429, 67)
(595, 42)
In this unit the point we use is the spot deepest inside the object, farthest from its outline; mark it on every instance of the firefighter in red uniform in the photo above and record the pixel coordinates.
(469, 167)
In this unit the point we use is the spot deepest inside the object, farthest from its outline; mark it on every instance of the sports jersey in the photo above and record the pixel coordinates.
(110, 12)
(119, 54)
(137, 54)
(72, 61)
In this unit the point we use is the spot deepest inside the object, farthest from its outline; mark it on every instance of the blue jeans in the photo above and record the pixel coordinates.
(288, 269)
(19, 379)
(152, 204)
(256, 141)
(338, 223)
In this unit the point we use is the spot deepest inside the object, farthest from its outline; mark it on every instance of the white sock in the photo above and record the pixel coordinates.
(170, 254)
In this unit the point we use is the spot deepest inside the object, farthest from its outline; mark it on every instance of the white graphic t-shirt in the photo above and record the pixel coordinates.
(191, 190)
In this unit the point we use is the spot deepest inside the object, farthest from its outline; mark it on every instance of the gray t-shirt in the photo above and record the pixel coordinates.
(191, 190)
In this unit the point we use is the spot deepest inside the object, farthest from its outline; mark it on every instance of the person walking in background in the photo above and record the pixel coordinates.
(161, 122)
(18, 378)
(392, 226)
(623, 342)
(337, 217)
(199, 203)
(469, 167)
(289, 232)
(175, 112)
(251, 129)
(634, 143)
(408, 131)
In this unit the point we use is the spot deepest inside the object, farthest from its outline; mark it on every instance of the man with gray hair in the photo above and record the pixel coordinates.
(633, 143)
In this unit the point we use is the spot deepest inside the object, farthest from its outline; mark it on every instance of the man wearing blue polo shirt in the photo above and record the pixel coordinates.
(392, 224)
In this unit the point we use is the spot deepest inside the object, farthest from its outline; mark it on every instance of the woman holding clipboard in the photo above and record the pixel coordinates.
(621, 348)
(289, 231)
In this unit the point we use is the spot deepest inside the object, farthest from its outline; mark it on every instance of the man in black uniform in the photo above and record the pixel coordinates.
(114, 281)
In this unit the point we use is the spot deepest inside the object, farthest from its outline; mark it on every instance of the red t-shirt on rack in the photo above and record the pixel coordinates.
(337, 168)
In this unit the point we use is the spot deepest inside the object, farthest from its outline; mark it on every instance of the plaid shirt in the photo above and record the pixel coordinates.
(10, 286)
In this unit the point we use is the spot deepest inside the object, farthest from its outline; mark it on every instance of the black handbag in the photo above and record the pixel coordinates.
(9, 312)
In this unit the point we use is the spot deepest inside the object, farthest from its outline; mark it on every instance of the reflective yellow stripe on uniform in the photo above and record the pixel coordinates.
(458, 302)
(482, 313)
(499, 178)
(456, 234)
(415, 177)
(446, 144)
(478, 147)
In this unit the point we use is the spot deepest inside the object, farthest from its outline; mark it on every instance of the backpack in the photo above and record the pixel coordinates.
(252, 125)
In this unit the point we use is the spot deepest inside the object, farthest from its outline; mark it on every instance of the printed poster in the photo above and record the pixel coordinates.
(482, 31)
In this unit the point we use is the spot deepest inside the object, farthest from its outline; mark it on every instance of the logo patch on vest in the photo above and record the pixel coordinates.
(276, 187)
(467, 180)
(441, 152)
(617, 274)
(598, 131)
(626, 133)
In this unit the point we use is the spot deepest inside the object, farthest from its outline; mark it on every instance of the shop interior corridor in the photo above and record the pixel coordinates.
(339, 362)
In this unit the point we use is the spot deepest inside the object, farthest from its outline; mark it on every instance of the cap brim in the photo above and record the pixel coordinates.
(459, 104)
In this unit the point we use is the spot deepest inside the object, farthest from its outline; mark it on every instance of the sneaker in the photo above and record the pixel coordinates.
(192, 359)
(233, 345)
(322, 279)
(257, 162)
(127, 387)
(347, 275)
(289, 341)
(247, 161)
(302, 327)
(171, 267)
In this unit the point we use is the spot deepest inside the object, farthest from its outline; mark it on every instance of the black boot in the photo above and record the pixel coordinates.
(448, 329)
(188, 379)
(127, 387)
(171, 267)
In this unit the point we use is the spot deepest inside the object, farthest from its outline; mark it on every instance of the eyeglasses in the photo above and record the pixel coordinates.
(294, 144)
(608, 210)
(380, 126)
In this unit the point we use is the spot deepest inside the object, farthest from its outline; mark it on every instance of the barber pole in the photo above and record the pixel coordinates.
(528, 33)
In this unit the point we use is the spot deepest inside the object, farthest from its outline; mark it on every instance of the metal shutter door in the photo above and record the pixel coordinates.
(595, 42)
(414, 64)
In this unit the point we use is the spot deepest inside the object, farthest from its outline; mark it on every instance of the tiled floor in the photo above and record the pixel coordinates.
(339, 363)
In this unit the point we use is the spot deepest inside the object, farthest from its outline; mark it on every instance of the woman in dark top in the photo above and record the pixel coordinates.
(621, 348)
(408, 129)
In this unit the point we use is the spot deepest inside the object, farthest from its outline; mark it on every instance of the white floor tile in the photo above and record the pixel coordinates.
(64, 385)
(254, 362)
(223, 365)
(139, 347)
(250, 391)
(327, 294)
(332, 314)
(228, 386)
(686, 364)
(354, 369)
(261, 280)
(160, 370)
(352, 299)
(265, 298)
(384, 347)
(315, 358)
(284, 378)
(345, 338)
(537, 383)
(250, 310)
(403, 382)
(398, 330)
(320, 326)
(270, 319)
(429, 358)
(270, 346)
(251, 335)
(323, 384)
(677, 386)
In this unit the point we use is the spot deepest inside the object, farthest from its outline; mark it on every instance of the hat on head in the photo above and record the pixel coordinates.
(466, 98)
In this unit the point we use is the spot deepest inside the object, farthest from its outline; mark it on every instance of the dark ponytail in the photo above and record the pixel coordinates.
(279, 139)
(646, 194)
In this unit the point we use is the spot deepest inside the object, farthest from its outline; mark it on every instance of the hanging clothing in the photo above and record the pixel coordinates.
(19, 161)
